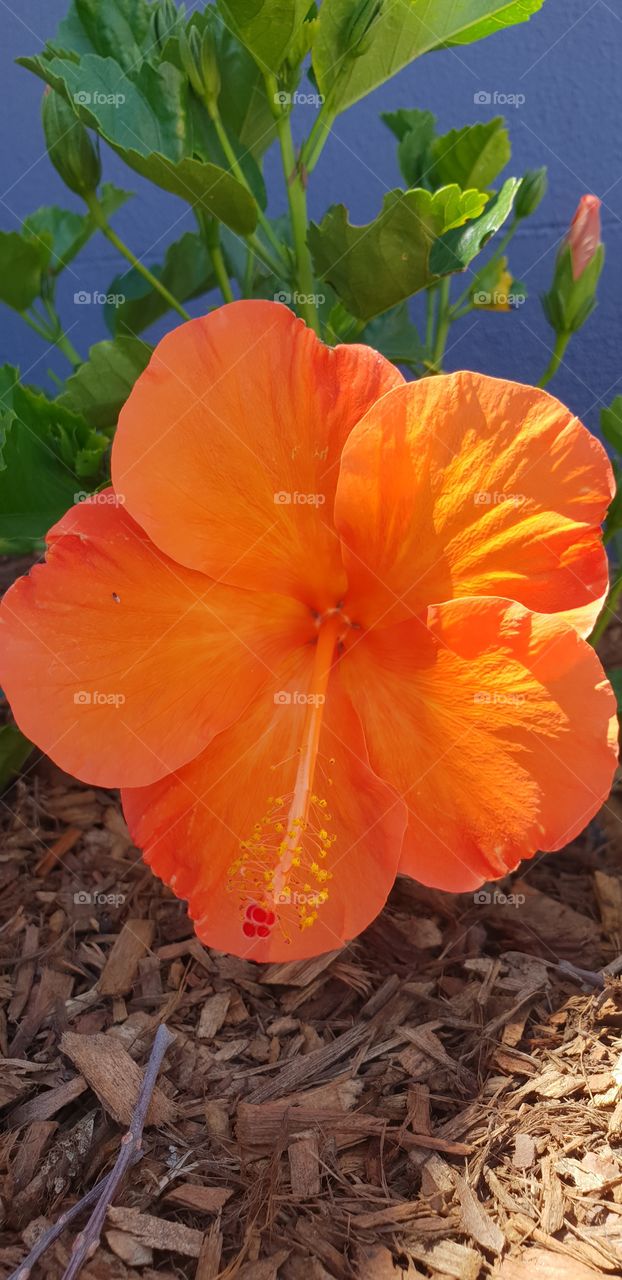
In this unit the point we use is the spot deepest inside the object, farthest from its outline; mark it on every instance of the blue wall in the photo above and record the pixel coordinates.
(565, 62)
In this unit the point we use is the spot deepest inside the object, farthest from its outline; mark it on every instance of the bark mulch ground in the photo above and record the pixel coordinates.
(443, 1098)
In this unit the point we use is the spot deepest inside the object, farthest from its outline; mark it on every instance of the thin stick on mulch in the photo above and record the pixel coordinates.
(104, 1192)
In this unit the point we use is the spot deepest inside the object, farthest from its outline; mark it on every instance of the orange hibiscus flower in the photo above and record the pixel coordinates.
(325, 628)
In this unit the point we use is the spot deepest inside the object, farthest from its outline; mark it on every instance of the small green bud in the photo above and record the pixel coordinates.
(164, 21)
(197, 51)
(69, 145)
(530, 193)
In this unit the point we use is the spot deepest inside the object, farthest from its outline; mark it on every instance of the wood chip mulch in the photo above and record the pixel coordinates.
(443, 1098)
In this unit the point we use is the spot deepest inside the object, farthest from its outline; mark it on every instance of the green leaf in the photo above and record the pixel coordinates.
(376, 266)
(23, 261)
(472, 157)
(144, 116)
(267, 28)
(611, 424)
(69, 231)
(415, 131)
(114, 28)
(395, 336)
(99, 388)
(49, 456)
(186, 272)
(399, 32)
(14, 752)
(456, 249)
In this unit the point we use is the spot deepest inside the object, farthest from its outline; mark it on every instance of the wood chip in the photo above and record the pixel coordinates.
(121, 967)
(477, 1223)
(304, 1168)
(213, 1014)
(157, 1233)
(114, 1077)
(524, 1151)
(200, 1199)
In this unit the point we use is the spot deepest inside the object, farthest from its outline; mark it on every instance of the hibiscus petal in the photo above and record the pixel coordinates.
(466, 485)
(227, 451)
(121, 664)
(190, 826)
(497, 727)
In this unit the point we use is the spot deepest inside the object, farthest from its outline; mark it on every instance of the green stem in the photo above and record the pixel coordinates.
(265, 256)
(443, 321)
(37, 326)
(249, 274)
(100, 219)
(238, 172)
(211, 233)
(68, 349)
(297, 197)
(559, 351)
(54, 336)
(430, 299)
(608, 609)
(313, 146)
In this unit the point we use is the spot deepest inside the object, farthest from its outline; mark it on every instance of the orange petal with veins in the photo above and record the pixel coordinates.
(465, 485)
(191, 823)
(227, 451)
(496, 726)
(121, 664)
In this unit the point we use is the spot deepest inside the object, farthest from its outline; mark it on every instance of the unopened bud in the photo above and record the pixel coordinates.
(530, 193)
(69, 145)
(583, 238)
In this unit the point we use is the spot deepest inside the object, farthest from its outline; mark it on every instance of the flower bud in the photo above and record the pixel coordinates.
(572, 296)
(199, 60)
(69, 145)
(530, 193)
(583, 239)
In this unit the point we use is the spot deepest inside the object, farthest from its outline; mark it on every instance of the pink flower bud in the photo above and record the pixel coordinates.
(583, 238)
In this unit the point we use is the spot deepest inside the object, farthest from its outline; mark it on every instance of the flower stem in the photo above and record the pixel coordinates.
(608, 611)
(100, 219)
(264, 255)
(313, 146)
(53, 335)
(443, 321)
(559, 351)
(297, 197)
(68, 349)
(238, 173)
(210, 230)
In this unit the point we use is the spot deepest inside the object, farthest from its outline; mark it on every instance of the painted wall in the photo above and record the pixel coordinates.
(565, 63)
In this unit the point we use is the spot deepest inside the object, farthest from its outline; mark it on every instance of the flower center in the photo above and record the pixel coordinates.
(281, 867)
